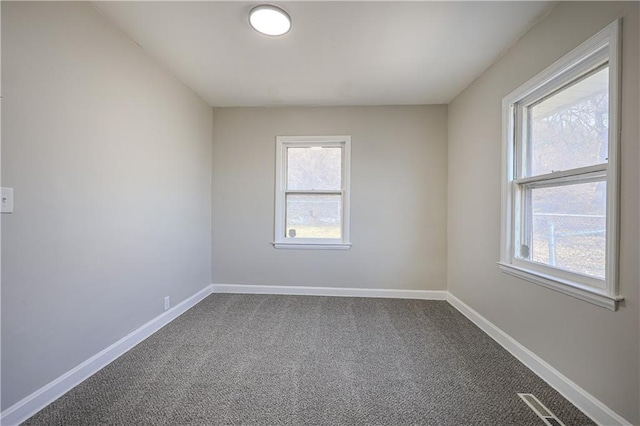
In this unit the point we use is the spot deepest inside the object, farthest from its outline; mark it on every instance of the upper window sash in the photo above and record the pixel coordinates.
(521, 109)
(311, 144)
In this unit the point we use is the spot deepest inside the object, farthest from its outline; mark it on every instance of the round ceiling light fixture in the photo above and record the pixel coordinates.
(269, 20)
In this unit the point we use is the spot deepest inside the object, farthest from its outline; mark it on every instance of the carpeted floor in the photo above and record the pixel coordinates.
(271, 360)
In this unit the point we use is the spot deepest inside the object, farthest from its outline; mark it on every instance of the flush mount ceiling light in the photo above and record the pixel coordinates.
(269, 20)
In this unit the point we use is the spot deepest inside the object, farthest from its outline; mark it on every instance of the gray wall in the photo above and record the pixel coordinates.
(110, 160)
(595, 347)
(398, 197)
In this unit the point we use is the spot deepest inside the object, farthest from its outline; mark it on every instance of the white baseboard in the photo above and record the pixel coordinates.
(30, 405)
(587, 403)
(331, 291)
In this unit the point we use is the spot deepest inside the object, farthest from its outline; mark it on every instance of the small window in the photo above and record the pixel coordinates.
(560, 184)
(312, 192)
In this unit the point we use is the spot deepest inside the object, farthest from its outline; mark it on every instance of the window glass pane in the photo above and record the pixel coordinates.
(314, 168)
(571, 128)
(569, 227)
(313, 216)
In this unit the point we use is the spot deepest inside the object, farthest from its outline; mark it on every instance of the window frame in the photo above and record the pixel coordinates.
(603, 48)
(281, 191)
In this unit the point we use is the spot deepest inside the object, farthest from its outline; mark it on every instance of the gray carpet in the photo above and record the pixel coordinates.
(271, 360)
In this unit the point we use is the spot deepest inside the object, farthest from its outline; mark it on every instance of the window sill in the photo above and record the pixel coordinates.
(307, 246)
(577, 290)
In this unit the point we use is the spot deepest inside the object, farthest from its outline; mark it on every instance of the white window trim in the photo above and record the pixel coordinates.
(280, 241)
(607, 43)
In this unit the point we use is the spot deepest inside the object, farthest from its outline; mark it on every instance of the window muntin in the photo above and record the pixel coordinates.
(312, 192)
(560, 206)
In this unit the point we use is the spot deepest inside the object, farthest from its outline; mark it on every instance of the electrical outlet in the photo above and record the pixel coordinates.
(167, 303)
(6, 196)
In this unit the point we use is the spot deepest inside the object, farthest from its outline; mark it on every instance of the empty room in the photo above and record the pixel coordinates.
(320, 212)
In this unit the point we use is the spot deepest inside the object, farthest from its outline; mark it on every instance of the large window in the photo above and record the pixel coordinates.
(561, 174)
(312, 192)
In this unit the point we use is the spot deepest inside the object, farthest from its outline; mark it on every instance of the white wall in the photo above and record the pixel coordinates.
(110, 160)
(398, 197)
(596, 348)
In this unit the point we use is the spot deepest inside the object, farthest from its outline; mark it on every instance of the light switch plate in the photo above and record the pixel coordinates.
(7, 200)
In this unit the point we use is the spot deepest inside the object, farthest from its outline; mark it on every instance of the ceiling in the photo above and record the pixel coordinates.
(337, 53)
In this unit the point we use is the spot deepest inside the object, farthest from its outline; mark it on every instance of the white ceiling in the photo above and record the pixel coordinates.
(337, 53)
